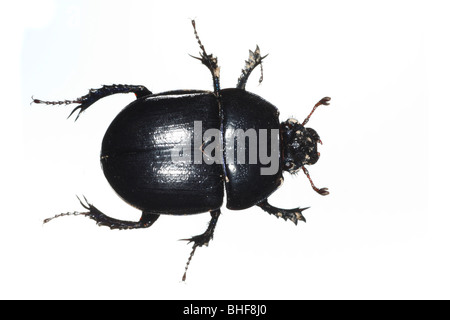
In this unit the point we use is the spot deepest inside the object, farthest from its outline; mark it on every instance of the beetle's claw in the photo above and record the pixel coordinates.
(73, 111)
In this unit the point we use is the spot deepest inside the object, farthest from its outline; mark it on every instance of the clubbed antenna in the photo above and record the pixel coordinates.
(322, 191)
(323, 101)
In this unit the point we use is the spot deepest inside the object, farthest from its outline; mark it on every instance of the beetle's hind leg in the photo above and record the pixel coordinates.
(94, 95)
(209, 61)
(147, 219)
(253, 61)
(294, 215)
(202, 239)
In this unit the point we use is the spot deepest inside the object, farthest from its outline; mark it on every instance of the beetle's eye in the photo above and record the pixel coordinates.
(289, 165)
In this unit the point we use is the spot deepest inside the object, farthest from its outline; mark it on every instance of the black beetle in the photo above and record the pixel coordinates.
(146, 151)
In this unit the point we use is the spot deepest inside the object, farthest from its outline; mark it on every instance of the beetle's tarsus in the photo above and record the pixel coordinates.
(188, 263)
(209, 61)
(66, 102)
(202, 239)
(75, 213)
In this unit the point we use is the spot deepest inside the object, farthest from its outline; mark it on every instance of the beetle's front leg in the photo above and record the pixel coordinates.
(253, 61)
(294, 215)
(204, 238)
(209, 61)
(94, 95)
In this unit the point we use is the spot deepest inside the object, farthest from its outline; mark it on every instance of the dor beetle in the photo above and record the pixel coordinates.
(147, 151)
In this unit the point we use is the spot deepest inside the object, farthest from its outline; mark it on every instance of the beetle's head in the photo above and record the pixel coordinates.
(299, 145)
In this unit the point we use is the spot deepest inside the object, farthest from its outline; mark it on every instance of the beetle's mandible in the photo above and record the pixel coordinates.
(139, 161)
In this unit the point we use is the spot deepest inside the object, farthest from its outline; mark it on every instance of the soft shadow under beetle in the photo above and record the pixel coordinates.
(139, 161)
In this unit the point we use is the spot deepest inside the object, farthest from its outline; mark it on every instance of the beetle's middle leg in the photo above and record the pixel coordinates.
(147, 219)
(294, 215)
(209, 61)
(204, 238)
(94, 95)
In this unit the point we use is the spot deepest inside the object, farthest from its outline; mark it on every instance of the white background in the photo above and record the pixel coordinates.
(382, 232)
